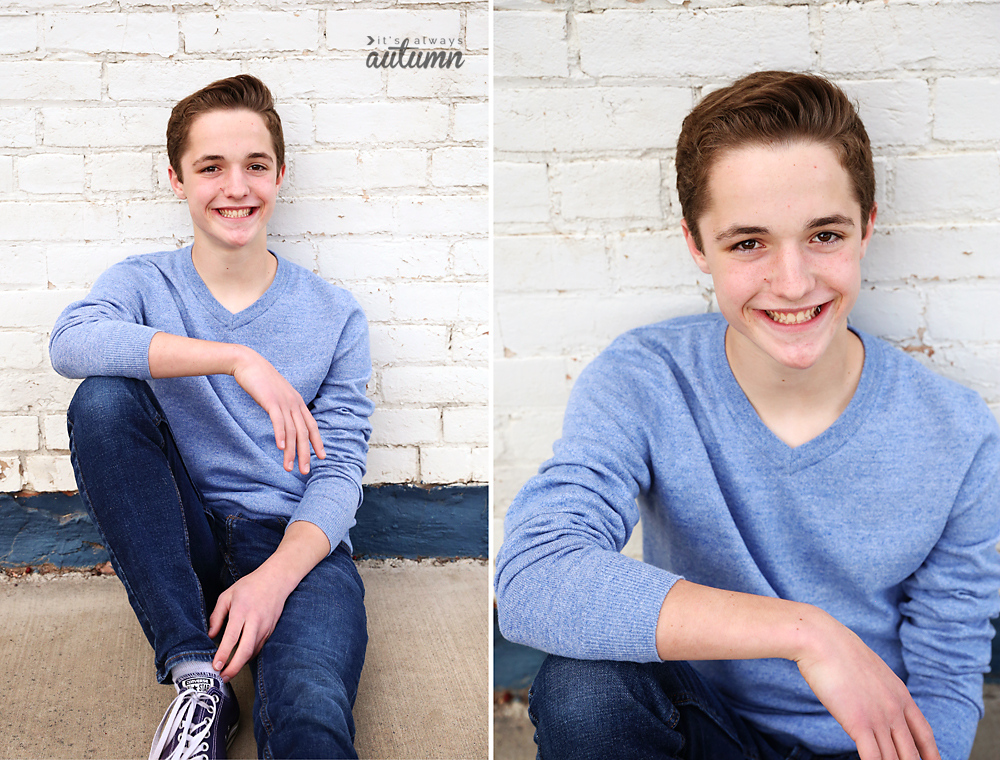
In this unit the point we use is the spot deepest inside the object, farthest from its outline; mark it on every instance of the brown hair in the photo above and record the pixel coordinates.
(242, 91)
(766, 108)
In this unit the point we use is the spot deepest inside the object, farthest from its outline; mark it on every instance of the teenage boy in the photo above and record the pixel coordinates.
(820, 511)
(219, 443)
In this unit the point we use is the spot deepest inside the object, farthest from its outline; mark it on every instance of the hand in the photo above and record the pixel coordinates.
(253, 605)
(870, 701)
(294, 426)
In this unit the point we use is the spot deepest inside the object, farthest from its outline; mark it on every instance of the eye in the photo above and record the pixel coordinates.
(826, 237)
(258, 168)
(208, 170)
(746, 245)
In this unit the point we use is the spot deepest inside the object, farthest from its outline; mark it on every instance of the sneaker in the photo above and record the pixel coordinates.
(200, 723)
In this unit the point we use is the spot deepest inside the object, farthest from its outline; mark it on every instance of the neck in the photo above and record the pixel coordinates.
(236, 277)
(798, 404)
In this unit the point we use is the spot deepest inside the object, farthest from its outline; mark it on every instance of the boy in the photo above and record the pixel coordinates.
(212, 370)
(820, 511)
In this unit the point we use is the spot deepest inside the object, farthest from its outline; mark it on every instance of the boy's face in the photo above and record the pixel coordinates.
(231, 179)
(782, 240)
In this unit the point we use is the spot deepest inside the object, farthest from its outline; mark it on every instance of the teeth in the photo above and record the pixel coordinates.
(794, 318)
(235, 214)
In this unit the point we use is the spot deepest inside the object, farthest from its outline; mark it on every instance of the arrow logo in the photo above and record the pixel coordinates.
(370, 39)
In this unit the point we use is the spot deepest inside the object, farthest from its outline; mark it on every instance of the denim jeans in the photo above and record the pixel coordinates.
(175, 556)
(642, 711)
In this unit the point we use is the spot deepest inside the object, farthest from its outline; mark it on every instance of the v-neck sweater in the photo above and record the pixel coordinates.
(888, 520)
(314, 333)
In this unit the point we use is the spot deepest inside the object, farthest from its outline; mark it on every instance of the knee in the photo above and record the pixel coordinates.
(101, 402)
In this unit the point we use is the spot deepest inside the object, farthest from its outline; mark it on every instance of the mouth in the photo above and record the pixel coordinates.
(237, 213)
(786, 317)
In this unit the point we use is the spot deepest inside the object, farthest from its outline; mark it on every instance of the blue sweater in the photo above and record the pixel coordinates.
(314, 334)
(888, 520)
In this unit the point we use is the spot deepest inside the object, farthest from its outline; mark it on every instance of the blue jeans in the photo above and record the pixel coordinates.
(175, 556)
(642, 711)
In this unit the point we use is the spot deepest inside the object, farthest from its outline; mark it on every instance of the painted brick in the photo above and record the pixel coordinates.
(531, 382)
(943, 187)
(105, 127)
(974, 366)
(33, 308)
(967, 109)
(51, 173)
(18, 34)
(466, 424)
(24, 268)
(49, 473)
(460, 167)
(609, 189)
(256, 30)
(530, 45)
(164, 81)
(427, 301)
(56, 435)
(381, 123)
(520, 192)
(18, 433)
(350, 29)
(472, 258)
(443, 215)
(50, 80)
(894, 112)
(300, 252)
(21, 350)
(550, 262)
(895, 313)
(374, 300)
(342, 170)
(121, 172)
(471, 122)
(597, 118)
(323, 79)
(477, 30)
(6, 175)
(470, 80)
(933, 252)
(22, 392)
(482, 463)
(394, 344)
(955, 312)
(470, 344)
(445, 465)
(114, 32)
(57, 221)
(297, 125)
(657, 260)
(379, 259)
(673, 43)
(17, 127)
(395, 465)
(405, 427)
(10, 474)
(883, 37)
(473, 302)
(531, 434)
(150, 220)
(78, 265)
(434, 385)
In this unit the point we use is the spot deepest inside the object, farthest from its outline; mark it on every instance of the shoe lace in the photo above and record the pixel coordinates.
(178, 723)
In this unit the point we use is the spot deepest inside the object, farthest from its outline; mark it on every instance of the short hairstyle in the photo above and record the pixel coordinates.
(767, 108)
(242, 91)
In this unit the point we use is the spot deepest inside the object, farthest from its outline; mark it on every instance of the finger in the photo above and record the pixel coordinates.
(244, 651)
(278, 423)
(218, 615)
(314, 436)
(302, 441)
(868, 746)
(230, 639)
(885, 745)
(904, 745)
(923, 734)
(289, 440)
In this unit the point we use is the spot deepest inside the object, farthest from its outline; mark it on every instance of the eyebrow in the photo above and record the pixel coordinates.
(738, 230)
(223, 158)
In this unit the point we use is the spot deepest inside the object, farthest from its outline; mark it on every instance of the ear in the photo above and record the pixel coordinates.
(698, 256)
(869, 231)
(281, 177)
(175, 184)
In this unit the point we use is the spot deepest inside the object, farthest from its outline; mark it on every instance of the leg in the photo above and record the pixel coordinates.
(138, 493)
(308, 671)
(599, 709)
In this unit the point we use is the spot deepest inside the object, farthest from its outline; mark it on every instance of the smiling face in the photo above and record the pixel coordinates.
(231, 180)
(783, 241)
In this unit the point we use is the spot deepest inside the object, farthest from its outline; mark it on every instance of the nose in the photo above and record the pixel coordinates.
(791, 275)
(236, 185)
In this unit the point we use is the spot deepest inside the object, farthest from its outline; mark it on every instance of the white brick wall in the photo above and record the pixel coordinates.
(386, 195)
(588, 101)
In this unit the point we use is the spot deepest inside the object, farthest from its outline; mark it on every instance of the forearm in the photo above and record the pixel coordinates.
(177, 356)
(702, 623)
(301, 549)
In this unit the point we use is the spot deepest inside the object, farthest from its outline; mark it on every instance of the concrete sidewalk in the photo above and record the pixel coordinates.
(77, 678)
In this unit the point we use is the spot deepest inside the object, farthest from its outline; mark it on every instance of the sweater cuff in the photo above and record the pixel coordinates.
(330, 505)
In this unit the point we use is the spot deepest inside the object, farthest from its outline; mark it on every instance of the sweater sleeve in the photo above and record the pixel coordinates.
(104, 333)
(562, 584)
(948, 603)
(341, 410)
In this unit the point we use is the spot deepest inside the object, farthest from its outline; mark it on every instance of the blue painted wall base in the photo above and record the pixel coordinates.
(394, 521)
